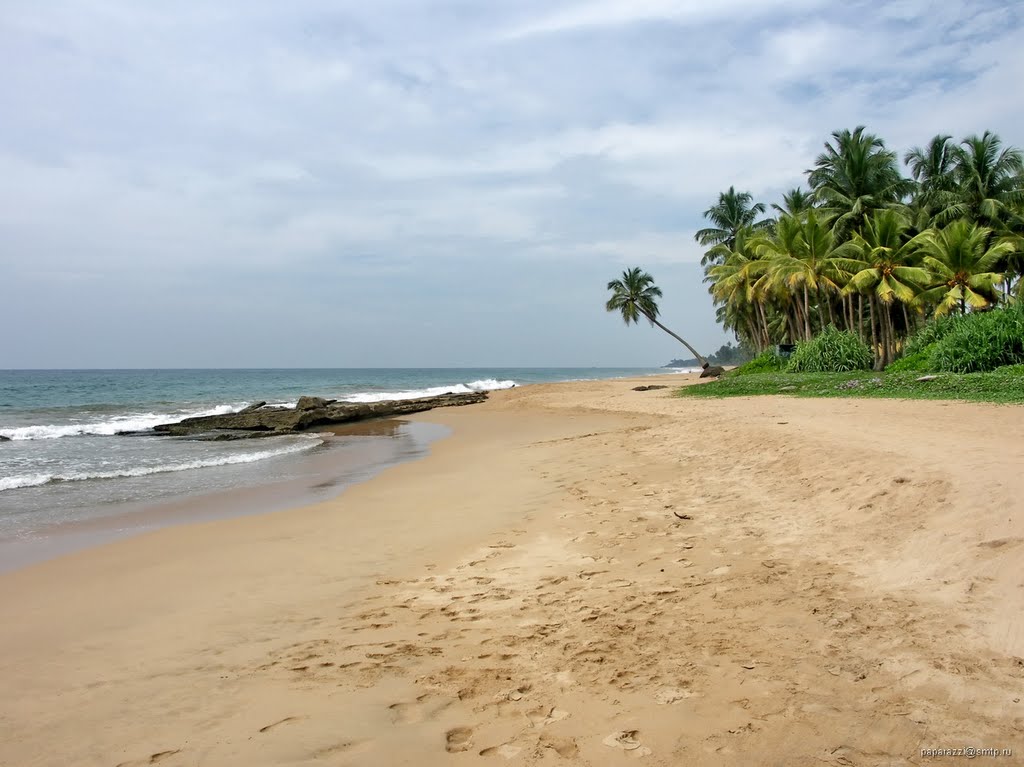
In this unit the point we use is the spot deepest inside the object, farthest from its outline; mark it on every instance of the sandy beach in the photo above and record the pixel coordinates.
(579, 574)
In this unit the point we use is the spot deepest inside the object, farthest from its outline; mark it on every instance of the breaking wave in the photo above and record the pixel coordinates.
(34, 480)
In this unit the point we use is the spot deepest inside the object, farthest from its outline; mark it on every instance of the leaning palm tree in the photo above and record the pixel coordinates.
(962, 264)
(636, 295)
(733, 212)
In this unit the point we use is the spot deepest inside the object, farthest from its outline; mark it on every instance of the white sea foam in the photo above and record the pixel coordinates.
(111, 426)
(488, 384)
(33, 480)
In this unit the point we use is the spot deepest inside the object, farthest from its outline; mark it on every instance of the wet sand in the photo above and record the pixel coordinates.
(580, 574)
(352, 453)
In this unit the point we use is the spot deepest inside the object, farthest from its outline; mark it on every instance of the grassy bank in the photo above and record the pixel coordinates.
(1003, 385)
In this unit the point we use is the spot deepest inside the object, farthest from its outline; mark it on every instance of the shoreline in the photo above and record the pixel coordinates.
(526, 593)
(131, 518)
(314, 478)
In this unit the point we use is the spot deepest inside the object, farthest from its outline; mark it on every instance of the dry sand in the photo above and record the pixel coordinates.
(846, 590)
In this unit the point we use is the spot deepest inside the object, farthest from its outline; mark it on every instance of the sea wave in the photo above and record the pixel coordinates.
(487, 384)
(111, 426)
(34, 480)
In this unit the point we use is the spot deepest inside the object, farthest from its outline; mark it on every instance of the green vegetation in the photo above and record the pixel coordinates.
(831, 351)
(981, 342)
(766, 362)
(877, 254)
(1003, 385)
(977, 356)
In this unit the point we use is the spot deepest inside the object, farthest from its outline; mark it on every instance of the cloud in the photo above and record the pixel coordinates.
(611, 13)
(444, 153)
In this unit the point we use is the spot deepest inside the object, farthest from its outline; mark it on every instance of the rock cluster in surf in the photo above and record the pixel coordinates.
(258, 420)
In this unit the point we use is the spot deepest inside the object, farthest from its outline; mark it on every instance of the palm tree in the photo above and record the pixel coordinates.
(733, 211)
(795, 202)
(881, 261)
(853, 176)
(733, 283)
(801, 260)
(932, 168)
(961, 263)
(635, 294)
(989, 179)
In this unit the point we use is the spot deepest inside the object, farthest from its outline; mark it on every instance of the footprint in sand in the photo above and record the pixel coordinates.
(564, 747)
(506, 750)
(424, 707)
(545, 715)
(627, 740)
(671, 695)
(458, 739)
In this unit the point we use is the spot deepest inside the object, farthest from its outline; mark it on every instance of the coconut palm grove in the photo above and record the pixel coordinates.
(909, 264)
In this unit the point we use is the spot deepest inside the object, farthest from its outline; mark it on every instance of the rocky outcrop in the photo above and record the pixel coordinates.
(4, 439)
(712, 371)
(310, 403)
(312, 412)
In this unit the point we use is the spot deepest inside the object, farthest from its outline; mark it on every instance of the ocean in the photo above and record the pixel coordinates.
(67, 467)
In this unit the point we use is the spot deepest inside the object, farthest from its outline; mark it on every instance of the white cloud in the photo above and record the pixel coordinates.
(414, 141)
(608, 13)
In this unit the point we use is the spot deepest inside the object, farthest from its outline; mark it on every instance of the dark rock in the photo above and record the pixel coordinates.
(4, 439)
(253, 406)
(712, 371)
(648, 388)
(266, 421)
(308, 403)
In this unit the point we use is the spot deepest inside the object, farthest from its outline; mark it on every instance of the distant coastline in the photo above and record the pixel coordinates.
(727, 354)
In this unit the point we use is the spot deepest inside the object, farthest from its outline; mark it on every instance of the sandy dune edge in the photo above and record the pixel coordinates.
(847, 591)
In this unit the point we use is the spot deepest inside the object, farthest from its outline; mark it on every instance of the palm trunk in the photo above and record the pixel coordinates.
(703, 362)
(874, 333)
(798, 314)
(764, 324)
(860, 315)
(807, 315)
(887, 345)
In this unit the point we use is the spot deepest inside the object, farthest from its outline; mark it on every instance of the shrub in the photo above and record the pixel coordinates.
(918, 362)
(929, 334)
(831, 351)
(766, 362)
(981, 342)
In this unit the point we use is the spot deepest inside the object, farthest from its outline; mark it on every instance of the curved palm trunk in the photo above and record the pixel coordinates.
(703, 362)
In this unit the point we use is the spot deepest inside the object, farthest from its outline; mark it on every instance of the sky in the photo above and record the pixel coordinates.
(399, 183)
